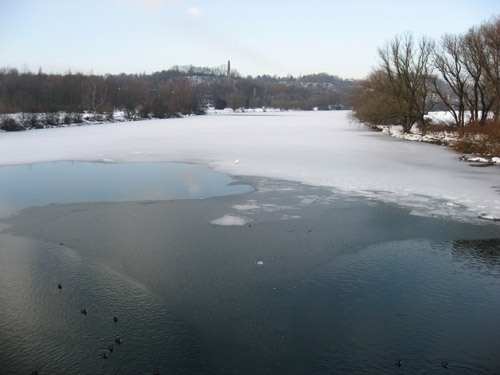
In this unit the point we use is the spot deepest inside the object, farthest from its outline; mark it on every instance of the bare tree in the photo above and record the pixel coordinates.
(448, 60)
(184, 98)
(406, 74)
(479, 100)
(95, 93)
(372, 103)
(489, 57)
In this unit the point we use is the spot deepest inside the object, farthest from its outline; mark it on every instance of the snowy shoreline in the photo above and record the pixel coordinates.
(445, 137)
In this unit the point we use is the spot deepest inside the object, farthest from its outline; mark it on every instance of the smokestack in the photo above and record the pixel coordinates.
(228, 71)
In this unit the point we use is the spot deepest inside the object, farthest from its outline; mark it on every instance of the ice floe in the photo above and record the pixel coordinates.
(229, 220)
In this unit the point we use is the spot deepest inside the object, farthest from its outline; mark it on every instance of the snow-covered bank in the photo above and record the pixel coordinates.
(29, 121)
(318, 148)
(444, 137)
(447, 136)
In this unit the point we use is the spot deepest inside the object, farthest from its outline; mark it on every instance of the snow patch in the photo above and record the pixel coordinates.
(229, 220)
(308, 201)
(291, 217)
(245, 207)
(478, 159)
(489, 217)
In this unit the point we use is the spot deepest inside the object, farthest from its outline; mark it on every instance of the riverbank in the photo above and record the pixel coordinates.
(15, 122)
(446, 135)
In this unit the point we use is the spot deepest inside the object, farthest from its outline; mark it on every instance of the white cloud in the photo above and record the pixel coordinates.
(195, 12)
(156, 4)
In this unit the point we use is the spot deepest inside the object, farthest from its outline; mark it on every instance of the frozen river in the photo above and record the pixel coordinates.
(317, 148)
(256, 272)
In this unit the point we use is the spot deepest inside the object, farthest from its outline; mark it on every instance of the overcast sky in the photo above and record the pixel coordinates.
(259, 37)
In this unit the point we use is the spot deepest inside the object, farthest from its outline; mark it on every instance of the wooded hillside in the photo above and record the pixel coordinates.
(179, 90)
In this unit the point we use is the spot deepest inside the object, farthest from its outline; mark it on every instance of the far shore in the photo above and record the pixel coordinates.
(447, 136)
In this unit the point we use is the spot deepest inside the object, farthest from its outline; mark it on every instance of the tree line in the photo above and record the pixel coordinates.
(459, 73)
(179, 90)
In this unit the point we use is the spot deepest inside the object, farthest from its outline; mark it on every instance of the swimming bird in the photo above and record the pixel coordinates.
(399, 362)
(59, 286)
(103, 355)
(83, 311)
(445, 364)
(156, 372)
(118, 341)
(34, 372)
(110, 348)
(115, 319)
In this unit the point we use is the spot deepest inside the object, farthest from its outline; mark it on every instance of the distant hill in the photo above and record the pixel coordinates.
(178, 90)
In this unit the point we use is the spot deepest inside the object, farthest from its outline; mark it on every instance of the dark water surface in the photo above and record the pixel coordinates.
(310, 282)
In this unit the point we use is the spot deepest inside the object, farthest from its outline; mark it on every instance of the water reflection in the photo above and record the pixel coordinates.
(411, 303)
(483, 252)
(65, 182)
(315, 284)
(43, 330)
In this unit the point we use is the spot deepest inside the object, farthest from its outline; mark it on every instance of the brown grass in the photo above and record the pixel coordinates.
(438, 128)
(477, 139)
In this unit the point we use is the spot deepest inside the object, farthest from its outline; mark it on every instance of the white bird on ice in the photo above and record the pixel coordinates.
(237, 161)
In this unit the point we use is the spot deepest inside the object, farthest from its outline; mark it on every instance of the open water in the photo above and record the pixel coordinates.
(307, 280)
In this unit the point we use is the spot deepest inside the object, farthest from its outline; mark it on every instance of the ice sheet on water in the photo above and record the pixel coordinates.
(315, 148)
(426, 206)
(308, 201)
(229, 220)
(252, 206)
(291, 217)
(245, 207)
